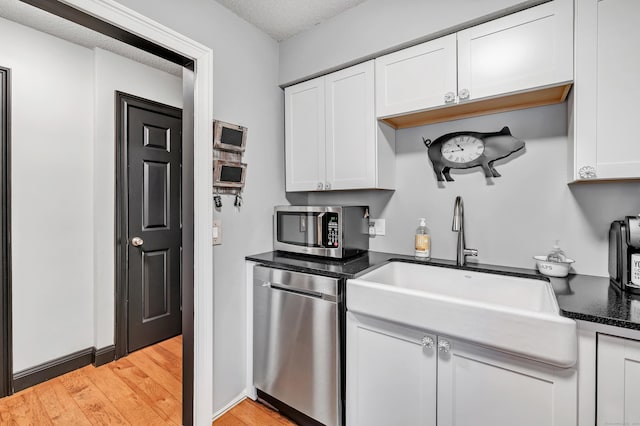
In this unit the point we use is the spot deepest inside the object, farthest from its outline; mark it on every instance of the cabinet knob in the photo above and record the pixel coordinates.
(427, 342)
(463, 94)
(444, 346)
(587, 172)
(327, 185)
(320, 185)
(449, 97)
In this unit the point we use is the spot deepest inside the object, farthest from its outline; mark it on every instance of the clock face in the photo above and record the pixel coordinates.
(462, 149)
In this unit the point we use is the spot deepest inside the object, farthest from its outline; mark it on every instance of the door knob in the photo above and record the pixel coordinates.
(449, 97)
(427, 342)
(137, 241)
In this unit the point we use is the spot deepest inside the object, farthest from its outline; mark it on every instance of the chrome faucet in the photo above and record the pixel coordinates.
(458, 226)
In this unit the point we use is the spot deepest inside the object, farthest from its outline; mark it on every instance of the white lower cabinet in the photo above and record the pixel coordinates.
(618, 381)
(405, 376)
(391, 374)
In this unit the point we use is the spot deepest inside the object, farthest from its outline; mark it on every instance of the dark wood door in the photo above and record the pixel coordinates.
(154, 222)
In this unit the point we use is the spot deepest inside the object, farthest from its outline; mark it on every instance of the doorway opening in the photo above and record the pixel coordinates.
(148, 225)
(110, 19)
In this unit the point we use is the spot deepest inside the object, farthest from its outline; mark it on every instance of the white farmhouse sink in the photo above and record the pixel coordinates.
(515, 315)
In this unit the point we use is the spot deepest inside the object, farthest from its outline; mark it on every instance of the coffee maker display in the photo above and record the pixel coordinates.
(624, 254)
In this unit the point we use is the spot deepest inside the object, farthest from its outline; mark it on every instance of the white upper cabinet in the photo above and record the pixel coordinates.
(305, 124)
(332, 138)
(350, 128)
(607, 92)
(518, 61)
(416, 78)
(526, 50)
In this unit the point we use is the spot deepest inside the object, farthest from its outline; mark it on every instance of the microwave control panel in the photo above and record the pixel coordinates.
(332, 230)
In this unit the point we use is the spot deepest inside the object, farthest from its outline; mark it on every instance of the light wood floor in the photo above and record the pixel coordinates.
(143, 388)
(251, 413)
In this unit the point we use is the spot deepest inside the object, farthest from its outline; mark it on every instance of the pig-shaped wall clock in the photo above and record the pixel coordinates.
(462, 150)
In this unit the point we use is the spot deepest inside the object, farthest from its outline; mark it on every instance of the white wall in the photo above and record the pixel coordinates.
(245, 87)
(114, 72)
(52, 206)
(510, 219)
(379, 25)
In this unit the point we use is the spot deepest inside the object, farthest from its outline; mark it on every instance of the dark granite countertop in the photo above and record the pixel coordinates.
(581, 297)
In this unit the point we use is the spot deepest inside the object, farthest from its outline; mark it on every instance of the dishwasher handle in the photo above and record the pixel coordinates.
(300, 292)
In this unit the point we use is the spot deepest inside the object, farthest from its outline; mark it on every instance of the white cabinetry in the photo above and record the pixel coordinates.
(391, 374)
(525, 51)
(332, 139)
(401, 375)
(417, 78)
(607, 93)
(618, 384)
(483, 387)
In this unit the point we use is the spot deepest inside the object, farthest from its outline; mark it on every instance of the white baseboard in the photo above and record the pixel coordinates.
(235, 401)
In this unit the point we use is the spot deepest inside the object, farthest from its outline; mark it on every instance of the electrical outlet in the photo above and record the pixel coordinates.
(378, 225)
(217, 232)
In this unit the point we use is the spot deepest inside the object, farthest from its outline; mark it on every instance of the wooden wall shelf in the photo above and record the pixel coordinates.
(535, 98)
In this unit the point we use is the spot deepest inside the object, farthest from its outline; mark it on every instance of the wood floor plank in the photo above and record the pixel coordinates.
(143, 388)
(26, 409)
(253, 413)
(132, 407)
(228, 419)
(150, 391)
(167, 360)
(93, 403)
(160, 375)
(173, 345)
(60, 406)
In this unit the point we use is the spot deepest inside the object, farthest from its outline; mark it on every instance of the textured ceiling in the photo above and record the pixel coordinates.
(30, 16)
(282, 19)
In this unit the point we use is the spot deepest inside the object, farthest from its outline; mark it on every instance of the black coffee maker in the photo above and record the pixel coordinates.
(624, 254)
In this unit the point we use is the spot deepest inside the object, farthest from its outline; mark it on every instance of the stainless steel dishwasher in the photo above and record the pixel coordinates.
(297, 344)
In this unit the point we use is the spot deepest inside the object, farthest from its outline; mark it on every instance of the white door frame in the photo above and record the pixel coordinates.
(129, 20)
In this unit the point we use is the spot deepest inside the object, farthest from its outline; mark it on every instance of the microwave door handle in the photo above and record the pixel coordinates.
(319, 226)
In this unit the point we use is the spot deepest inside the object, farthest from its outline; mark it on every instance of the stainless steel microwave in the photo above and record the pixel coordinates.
(329, 231)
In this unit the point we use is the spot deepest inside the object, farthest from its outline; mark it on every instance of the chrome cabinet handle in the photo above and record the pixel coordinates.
(427, 342)
(463, 93)
(444, 346)
(319, 185)
(449, 97)
(137, 241)
(327, 185)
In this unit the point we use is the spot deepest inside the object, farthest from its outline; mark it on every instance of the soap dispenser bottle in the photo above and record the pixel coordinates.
(423, 240)
(556, 255)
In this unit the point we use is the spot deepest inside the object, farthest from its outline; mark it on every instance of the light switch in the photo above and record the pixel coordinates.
(217, 232)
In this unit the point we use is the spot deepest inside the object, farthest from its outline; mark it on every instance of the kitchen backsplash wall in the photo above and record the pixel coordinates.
(509, 219)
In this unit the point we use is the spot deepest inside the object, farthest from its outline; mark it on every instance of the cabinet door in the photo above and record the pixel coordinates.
(350, 130)
(528, 49)
(416, 78)
(618, 389)
(305, 135)
(607, 90)
(482, 387)
(391, 376)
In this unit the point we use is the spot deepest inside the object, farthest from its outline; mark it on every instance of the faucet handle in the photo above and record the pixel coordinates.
(470, 252)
